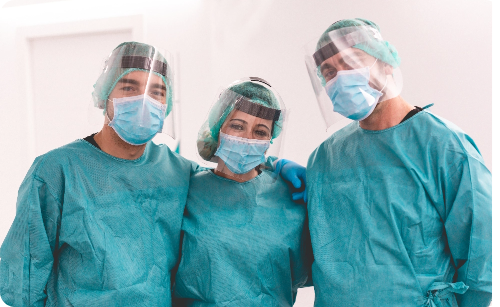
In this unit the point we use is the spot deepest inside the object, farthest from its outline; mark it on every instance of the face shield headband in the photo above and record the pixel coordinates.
(345, 38)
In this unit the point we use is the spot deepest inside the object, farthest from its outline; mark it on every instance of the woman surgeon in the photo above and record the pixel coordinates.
(245, 242)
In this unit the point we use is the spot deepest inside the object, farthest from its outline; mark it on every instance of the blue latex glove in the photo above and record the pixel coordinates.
(296, 175)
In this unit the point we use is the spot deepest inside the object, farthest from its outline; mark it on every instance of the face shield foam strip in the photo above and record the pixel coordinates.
(145, 63)
(257, 110)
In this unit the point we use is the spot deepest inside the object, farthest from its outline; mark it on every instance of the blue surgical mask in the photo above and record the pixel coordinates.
(241, 155)
(137, 119)
(351, 94)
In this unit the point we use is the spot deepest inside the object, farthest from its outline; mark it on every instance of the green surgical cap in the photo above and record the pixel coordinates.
(113, 71)
(253, 91)
(381, 50)
(208, 138)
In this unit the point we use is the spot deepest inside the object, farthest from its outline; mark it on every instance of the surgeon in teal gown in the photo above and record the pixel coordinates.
(399, 206)
(98, 221)
(97, 224)
(245, 242)
(113, 231)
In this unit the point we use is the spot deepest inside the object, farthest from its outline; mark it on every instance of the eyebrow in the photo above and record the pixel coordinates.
(160, 86)
(325, 66)
(131, 81)
(262, 125)
(358, 53)
(244, 122)
(135, 82)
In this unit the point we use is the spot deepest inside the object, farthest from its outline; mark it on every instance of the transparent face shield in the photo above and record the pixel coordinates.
(240, 133)
(349, 82)
(135, 92)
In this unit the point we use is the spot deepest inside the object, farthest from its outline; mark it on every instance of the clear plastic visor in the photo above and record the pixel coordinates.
(336, 57)
(240, 134)
(140, 93)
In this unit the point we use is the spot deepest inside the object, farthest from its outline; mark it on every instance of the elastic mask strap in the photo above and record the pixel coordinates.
(107, 117)
(373, 63)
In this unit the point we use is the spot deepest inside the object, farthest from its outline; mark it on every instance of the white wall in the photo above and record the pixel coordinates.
(437, 40)
(445, 46)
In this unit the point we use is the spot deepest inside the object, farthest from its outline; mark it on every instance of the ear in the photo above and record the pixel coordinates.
(388, 69)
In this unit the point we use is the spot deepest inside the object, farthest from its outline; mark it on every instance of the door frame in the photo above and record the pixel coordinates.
(24, 36)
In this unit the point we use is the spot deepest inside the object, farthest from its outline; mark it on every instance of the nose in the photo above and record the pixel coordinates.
(248, 134)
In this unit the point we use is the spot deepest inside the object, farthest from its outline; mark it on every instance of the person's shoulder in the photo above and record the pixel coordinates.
(440, 123)
(163, 153)
(50, 168)
(76, 146)
(59, 156)
(270, 176)
(341, 134)
(203, 175)
(275, 189)
(206, 183)
(338, 137)
(447, 135)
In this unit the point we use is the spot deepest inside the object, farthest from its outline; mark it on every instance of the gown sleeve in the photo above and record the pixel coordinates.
(468, 224)
(27, 251)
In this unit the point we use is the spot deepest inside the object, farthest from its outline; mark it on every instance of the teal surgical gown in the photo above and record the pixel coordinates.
(400, 217)
(95, 230)
(244, 244)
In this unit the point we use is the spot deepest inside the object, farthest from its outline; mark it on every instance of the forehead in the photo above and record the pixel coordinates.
(250, 119)
(353, 54)
(143, 77)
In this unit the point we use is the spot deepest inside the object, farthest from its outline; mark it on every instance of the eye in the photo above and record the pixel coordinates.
(262, 133)
(330, 74)
(128, 88)
(236, 127)
(158, 93)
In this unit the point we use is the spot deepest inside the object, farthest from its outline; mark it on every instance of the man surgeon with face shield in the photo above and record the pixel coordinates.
(98, 221)
(399, 199)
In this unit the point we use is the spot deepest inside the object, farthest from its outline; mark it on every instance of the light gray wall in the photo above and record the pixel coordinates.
(445, 48)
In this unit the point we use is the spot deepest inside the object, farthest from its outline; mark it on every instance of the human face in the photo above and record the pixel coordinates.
(353, 58)
(244, 125)
(348, 59)
(137, 83)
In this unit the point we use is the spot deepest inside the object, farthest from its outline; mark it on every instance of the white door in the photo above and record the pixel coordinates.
(63, 72)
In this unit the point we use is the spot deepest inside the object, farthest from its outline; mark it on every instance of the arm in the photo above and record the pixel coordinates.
(26, 253)
(467, 193)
